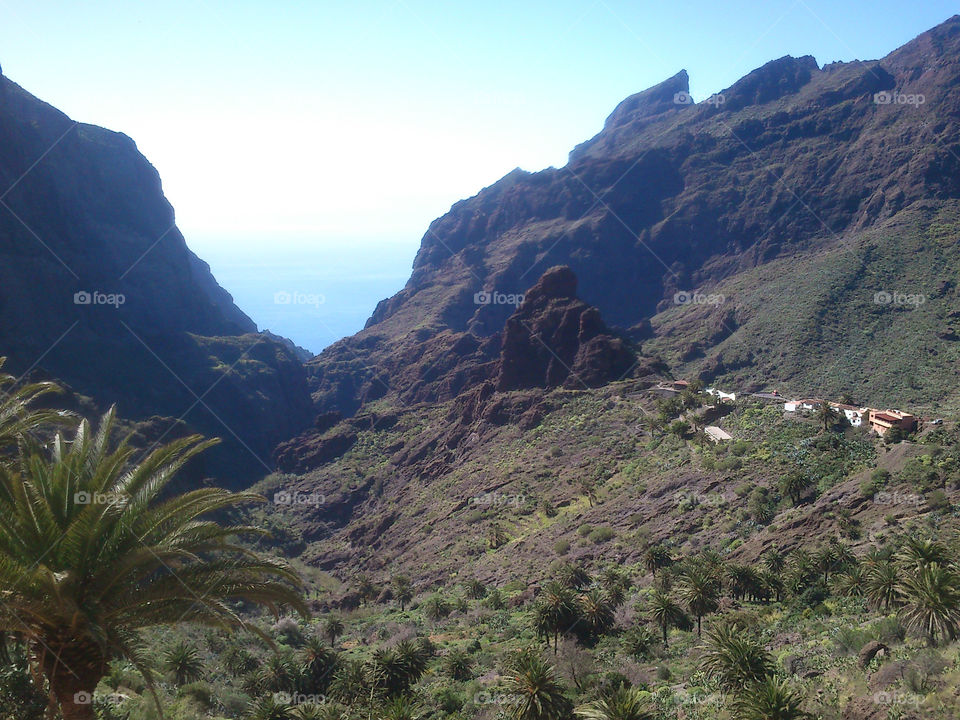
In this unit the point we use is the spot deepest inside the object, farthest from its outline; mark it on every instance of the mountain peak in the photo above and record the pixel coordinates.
(671, 94)
(771, 81)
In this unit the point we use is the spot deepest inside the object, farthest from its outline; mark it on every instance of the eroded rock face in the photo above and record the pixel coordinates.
(555, 339)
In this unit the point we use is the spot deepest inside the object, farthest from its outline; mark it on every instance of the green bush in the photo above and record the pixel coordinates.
(561, 547)
(602, 535)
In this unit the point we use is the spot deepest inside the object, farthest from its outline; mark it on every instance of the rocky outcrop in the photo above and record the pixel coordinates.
(555, 339)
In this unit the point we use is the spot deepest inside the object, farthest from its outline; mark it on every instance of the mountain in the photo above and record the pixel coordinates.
(99, 290)
(808, 171)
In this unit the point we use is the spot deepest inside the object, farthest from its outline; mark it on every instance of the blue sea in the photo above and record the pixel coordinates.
(313, 294)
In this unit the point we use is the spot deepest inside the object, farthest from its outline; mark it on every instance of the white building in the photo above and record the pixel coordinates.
(854, 415)
(721, 395)
(802, 405)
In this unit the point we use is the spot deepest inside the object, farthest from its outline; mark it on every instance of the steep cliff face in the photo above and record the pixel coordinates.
(673, 196)
(99, 290)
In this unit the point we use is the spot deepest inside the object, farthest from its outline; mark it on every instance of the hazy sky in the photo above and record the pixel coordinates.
(276, 121)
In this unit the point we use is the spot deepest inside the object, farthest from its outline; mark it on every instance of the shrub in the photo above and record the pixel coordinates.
(584, 530)
(602, 535)
(739, 448)
(937, 501)
(730, 463)
(561, 547)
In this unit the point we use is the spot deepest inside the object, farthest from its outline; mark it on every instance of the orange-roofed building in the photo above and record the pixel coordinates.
(883, 420)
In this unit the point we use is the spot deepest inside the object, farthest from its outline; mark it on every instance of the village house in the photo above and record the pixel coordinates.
(669, 389)
(721, 395)
(854, 415)
(882, 420)
(806, 404)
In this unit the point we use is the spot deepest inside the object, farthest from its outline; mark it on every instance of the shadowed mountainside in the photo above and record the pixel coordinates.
(99, 290)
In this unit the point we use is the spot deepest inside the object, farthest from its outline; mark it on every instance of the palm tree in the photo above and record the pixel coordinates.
(596, 612)
(401, 666)
(744, 581)
(734, 658)
(656, 557)
(351, 681)
(333, 628)
(666, 613)
(402, 590)
(436, 608)
(622, 704)
(851, 581)
(573, 576)
(269, 708)
(881, 584)
(458, 665)
(773, 560)
(615, 584)
(497, 536)
(91, 552)
(772, 584)
(932, 602)
(278, 674)
(700, 590)
(319, 665)
(476, 590)
(826, 560)
(539, 691)
(17, 415)
(768, 699)
(183, 663)
(400, 708)
(366, 589)
(795, 484)
(826, 416)
(917, 553)
(555, 612)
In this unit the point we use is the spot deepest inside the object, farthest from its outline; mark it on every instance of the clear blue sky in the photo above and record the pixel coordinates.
(354, 123)
(369, 118)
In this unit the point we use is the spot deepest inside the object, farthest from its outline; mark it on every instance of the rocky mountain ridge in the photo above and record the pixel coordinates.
(673, 197)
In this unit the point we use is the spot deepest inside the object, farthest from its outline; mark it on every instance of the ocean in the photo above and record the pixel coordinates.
(314, 294)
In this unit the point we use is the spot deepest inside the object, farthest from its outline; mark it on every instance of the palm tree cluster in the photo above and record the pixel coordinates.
(574, 604)
(94, 548)
(736, 660)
